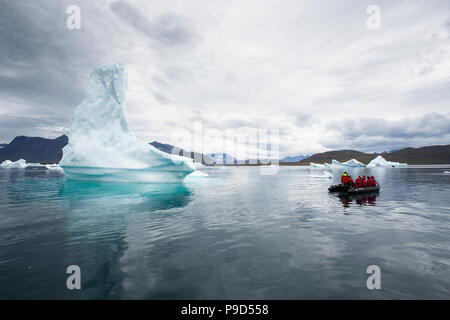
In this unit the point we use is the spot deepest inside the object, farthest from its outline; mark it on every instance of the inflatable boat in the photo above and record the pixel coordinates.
(353, 190)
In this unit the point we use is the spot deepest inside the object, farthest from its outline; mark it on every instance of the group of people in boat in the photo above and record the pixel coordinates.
(360, 182)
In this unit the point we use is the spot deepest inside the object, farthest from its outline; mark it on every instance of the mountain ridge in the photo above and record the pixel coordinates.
(34, 149)
(434, 154)
(43, 150)
(295, 158)
(196, 156)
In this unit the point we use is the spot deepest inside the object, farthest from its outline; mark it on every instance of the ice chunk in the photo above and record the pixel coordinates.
(349, 163)
(198, 174)
(19, 164)
(22, 164)
(381, 162)
(316, 165)
(53, 167)
(101, 146)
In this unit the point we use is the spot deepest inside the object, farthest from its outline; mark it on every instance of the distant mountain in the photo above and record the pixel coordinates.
(2, 145)
(34, 149)
(168, 148)
(339, 155)
(294, 158)
(164, 147)
(439, 154)
(222, 158)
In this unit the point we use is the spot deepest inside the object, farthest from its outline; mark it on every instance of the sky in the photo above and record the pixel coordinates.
(313, 72)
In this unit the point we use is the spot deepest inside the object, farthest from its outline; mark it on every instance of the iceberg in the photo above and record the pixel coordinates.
(316, 165)
(53, 167)
(22, 164)
(350, 163)
(379, 161)
(19, 164)
(101, 145)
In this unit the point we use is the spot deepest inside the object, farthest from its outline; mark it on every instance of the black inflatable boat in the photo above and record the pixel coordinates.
(353, 190)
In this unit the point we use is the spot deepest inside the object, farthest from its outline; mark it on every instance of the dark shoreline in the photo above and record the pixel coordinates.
(295, 164)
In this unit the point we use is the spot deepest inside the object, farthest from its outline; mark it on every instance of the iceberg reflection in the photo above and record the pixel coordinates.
(134, 196)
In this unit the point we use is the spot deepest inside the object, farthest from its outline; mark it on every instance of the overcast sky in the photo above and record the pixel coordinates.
(311, 69)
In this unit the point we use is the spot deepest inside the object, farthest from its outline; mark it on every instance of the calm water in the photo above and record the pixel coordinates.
(236, 234)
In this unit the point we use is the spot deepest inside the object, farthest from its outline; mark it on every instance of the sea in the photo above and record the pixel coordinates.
(233, 233)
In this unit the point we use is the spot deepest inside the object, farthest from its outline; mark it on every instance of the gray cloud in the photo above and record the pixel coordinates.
(44, 67)
(35, 54)
(28, 126)
(234, 70)
(377, 134)
(303, 119)
(168, 29)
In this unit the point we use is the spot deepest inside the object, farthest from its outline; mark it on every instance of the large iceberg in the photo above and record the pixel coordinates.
(350, 163)
(381, 162)
(101, 146)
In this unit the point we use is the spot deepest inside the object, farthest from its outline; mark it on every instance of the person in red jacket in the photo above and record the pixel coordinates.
(344, 178)
(359, 183)
(350, 182)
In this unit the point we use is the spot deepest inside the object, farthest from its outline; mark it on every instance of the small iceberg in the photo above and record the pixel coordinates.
(53, 167)
(379, 161)
(316, 165)
(22, 164)
(353, 163)
(19, 164)
(101, 146)
(198, 174)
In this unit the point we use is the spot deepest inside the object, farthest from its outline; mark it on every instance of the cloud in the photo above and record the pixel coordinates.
(371, 134)
(168, 29)
(303, 119)
(53, 126)
(294, 66)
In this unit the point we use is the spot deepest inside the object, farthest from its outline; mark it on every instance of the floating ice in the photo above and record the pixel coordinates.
(53, 167)
(316, 165)
(34, 165)
(101, 146)
(349, 163)
(22, 164)
(19, 164)
(353, 163)
(381, 162)
(198, 174)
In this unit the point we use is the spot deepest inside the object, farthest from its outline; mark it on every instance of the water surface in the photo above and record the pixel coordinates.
(236, 234)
